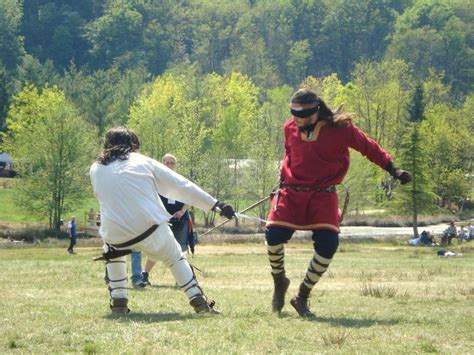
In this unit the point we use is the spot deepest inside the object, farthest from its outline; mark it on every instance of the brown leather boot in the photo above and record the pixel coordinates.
(300, 302)
(202, 305)
(281, 284)
(119, 305)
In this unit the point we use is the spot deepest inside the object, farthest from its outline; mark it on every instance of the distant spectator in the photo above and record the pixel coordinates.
(72, 231)
(470, 231)
(450, 233)
(91, 217)
(426, 238)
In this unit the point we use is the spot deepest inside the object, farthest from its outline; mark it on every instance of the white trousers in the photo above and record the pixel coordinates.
(160, 246)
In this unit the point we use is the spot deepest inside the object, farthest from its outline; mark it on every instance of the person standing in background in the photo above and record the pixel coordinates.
(72, 232)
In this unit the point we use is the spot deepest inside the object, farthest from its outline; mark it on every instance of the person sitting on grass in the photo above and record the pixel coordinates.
(426, 238)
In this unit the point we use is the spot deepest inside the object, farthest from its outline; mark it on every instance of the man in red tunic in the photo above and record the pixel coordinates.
(317, 143)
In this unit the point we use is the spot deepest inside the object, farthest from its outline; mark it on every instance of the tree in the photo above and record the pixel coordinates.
(266, 148)
(54, 29)
(96, 99)
(378, 94)
(431, 34)
(361, 182)
(32, 72)
(355, 30)
(298, 61)
(52, 148)
(116, 35)
(11, 43)
(5, 88)
(449, 130)
(417, 196)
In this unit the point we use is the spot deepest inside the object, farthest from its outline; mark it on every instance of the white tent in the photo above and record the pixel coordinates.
(5, 158)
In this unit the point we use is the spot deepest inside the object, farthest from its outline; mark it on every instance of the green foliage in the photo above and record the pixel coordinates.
(450, 148)
(156, 113)
(52, 148)
(105, 97)
(266, 148)
(11, 43)
(416, 107)
(32, 72)
(54, 30)
(115, 35)
(210, 81)
(355, 30)
(379, 95)
(430, 34)
(5, 88)
(361, 181)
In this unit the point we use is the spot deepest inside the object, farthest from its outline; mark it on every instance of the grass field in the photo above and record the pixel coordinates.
(375, 298)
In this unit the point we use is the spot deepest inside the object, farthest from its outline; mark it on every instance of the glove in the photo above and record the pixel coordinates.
(398, 174)
(224, 209)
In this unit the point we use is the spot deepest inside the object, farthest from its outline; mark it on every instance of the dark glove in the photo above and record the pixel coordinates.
(224, 209)
(397, 173)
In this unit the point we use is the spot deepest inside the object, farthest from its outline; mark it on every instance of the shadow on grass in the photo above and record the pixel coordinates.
(153, 287)
(163, 286)
(353, 323)
(342, 321)
(149, 317)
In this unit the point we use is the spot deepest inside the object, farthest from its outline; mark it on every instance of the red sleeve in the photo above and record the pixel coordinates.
(286, 154)
(368, 147)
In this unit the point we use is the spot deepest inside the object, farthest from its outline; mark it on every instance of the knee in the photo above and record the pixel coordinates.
(325, 243)
(276, 235)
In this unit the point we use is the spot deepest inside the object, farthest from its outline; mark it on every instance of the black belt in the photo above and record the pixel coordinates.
(306, 188)
(138, 239)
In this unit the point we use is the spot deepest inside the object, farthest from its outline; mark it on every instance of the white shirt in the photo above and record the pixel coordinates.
(128, 195)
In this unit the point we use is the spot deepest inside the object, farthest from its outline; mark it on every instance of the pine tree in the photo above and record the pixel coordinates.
(417, 196)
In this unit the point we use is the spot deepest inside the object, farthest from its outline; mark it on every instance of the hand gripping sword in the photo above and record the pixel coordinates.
(237, 214)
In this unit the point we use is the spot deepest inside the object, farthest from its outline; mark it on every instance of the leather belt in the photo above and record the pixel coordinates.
(305, 188)
(138, 239)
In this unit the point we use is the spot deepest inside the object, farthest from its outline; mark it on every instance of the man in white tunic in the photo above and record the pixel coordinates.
(127, 185)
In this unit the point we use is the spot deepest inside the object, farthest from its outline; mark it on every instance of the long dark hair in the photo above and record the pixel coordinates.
(335, 118)
(119, 143)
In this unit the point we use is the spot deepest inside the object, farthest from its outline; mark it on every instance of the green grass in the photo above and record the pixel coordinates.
(9, 212)
(375, 298)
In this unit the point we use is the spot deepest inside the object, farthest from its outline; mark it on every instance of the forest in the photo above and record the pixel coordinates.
(210, 82)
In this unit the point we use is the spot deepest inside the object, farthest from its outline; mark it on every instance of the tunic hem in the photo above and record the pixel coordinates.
(302, 227)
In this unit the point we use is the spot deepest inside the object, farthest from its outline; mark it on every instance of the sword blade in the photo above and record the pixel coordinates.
(244, 216)
(244, 210)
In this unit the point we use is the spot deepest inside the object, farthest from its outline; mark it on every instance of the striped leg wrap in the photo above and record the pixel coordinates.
(117, 277)
(276, 255)
(185, 278)
(317, 267)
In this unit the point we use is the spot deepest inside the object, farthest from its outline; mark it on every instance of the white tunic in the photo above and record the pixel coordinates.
(128, 195)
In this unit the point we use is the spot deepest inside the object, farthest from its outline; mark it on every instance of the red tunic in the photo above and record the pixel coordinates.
(321, 160)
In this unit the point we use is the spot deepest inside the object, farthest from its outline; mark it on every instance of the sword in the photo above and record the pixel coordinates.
(237, 214)
(244, 216)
